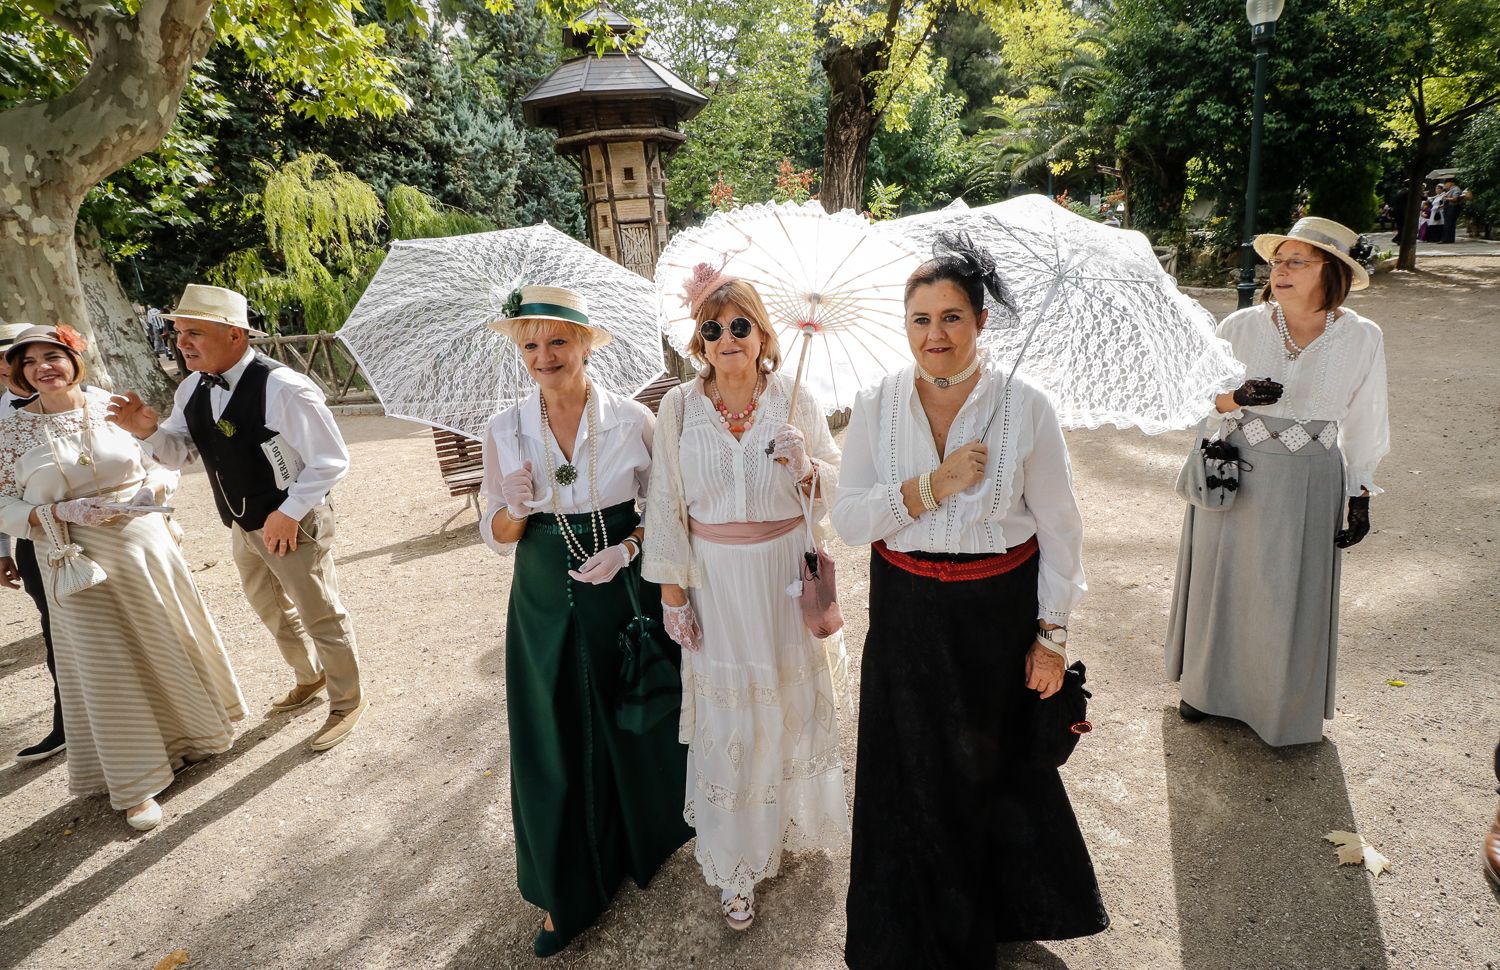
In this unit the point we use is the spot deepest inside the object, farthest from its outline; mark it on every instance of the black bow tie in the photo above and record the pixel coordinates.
(214, 380)
(21, 402)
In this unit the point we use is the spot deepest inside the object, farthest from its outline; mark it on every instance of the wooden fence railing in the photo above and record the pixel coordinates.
(321, 357)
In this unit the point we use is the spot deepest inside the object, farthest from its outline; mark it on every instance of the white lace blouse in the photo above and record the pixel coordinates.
(624, 452)
(34, 471)
(1338, 377)
(703, 472)
(1028, 489)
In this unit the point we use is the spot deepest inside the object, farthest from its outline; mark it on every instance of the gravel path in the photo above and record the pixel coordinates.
(394, 850)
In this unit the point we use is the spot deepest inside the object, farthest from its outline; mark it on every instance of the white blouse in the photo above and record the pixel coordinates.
(1338, 377)
(40, 462)
(624, 454)
(1028, 489)
(703, 472)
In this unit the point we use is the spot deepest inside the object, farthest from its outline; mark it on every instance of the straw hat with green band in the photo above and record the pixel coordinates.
(548, 303)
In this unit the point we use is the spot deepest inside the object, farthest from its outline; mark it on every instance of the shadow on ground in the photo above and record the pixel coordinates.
(1258, 888)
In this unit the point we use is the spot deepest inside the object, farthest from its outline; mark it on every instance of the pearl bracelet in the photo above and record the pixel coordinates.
(924, 491)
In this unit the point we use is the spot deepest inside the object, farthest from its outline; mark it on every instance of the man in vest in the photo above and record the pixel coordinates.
(272, 452)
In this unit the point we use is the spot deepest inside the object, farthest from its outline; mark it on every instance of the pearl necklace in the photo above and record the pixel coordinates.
(85, 442)
(958, 378)
(596, 515)
(1288, 344)
(727, 417)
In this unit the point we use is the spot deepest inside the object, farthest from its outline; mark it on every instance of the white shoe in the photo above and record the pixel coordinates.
(146, 820)
(739, 911)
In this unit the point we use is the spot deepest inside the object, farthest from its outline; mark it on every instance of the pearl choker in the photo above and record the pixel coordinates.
(958, 378)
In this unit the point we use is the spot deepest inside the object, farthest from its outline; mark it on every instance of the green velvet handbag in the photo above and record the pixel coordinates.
(650, 686)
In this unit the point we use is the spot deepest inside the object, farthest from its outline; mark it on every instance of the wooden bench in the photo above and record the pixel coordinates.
(461, 463)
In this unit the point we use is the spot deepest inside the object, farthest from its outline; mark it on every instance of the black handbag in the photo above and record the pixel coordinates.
(650, 684)
(1060, 720)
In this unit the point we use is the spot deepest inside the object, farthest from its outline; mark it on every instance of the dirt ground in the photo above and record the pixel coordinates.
(395, 849)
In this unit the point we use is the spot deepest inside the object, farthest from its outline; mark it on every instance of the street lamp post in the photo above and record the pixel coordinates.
(1262, 15)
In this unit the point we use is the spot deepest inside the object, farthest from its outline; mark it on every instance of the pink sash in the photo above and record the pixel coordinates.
(742, 533)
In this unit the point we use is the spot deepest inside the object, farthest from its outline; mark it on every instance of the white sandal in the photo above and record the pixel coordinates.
(739, 912)
(146, 820)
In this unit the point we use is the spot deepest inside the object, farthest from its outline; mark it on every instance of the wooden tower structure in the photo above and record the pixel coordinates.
(617, 116)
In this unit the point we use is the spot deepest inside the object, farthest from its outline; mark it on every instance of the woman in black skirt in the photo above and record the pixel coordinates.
(959, 479)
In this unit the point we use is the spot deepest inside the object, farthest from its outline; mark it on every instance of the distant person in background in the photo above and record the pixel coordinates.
(19, 569)
(1436, 213)
(1452, 199)
(1424, 221)
(156, 331)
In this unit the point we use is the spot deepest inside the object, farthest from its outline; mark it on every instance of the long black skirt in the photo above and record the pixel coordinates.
(961, 841)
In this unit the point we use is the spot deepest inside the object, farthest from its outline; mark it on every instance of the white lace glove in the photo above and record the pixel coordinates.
(602, 566)
(516, 488)
(790, 448)
(87, 511)
(681, 624)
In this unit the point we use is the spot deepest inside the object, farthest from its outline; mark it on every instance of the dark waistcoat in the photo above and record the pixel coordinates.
(244, 486)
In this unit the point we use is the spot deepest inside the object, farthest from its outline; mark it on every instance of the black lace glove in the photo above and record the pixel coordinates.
(1257, 392)
(1359, 523)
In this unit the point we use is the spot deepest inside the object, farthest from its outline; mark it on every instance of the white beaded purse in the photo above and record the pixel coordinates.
(72, 571)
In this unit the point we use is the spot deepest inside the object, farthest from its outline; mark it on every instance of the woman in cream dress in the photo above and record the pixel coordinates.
(146, 684)
(724, 537)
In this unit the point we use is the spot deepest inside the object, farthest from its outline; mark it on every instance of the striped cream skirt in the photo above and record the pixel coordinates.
(146, 683)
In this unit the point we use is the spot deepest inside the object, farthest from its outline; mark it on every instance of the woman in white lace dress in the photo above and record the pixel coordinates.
(146, 684)
(1253, 633)
(724, 537)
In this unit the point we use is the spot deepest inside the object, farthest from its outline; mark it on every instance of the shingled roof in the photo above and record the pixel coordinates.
(611, 77)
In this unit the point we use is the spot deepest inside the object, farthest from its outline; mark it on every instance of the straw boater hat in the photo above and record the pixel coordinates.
(548, 303)
(1334, 239)
(10, 331)
(214, 304)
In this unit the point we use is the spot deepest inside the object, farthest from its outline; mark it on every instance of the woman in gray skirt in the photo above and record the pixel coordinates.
(1254, 624)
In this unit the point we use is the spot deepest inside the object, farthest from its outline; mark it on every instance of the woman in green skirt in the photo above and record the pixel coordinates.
(592, 685)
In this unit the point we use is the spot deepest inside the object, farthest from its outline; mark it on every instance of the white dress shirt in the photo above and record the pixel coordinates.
(1338, 377)
(295, 409)
(624, 429)
(1028, 488)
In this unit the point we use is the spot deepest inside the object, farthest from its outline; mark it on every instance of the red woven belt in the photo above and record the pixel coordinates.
(959, 572)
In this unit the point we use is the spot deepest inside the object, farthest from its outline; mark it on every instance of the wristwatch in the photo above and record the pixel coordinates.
(1057, 637)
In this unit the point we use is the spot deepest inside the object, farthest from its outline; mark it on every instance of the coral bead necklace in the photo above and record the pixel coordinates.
(736, 422)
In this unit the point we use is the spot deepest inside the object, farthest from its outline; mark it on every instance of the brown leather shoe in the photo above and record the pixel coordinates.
(1492, 852)
(338, 727)
(299, 695)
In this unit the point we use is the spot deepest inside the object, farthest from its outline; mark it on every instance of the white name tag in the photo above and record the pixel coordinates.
(286, 464)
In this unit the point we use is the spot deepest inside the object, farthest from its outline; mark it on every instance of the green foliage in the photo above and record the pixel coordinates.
(37, 61)
(929, 161)
(413, 214)
(885, 201)
(1478, 155)
(754, 58)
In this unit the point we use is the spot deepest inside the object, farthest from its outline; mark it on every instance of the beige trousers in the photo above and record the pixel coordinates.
(297, 597)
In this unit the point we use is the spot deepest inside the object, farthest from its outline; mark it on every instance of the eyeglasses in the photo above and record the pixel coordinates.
(712, 330)
(1296, 263)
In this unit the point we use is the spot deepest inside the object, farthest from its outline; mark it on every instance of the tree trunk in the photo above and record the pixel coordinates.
(852, 120)
(126, 354)
(52, 153)
(1406, 241)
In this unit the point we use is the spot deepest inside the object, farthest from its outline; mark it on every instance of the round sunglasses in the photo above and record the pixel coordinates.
(712, 330)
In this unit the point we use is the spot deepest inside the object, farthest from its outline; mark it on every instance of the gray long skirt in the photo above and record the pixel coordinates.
(1253, 633)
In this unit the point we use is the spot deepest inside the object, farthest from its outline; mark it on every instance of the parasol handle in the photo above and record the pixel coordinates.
(797, 385)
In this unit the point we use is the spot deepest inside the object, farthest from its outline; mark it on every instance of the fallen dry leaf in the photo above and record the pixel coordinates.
(1396, 683)
(1353, 850)
(173, 960)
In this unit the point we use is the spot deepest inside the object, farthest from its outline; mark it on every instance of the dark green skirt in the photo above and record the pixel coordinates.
(592, 801)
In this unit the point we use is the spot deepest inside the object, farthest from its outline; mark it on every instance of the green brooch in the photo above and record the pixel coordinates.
(226, 428)
(566, 475)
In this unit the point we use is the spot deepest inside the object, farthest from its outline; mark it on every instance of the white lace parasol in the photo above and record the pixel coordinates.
(1104, 329)
(419, 330)
(830, 275)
